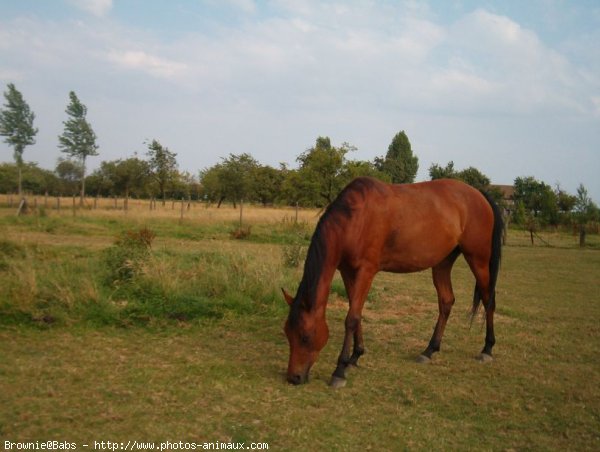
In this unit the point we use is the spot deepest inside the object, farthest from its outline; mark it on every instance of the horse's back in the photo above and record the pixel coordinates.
(411, 227)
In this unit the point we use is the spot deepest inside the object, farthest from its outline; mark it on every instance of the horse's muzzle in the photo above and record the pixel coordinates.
(297, 379)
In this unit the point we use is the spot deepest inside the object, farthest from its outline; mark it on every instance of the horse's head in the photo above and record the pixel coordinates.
(307, 334)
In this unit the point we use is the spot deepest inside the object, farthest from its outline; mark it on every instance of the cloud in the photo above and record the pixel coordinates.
(247, 6)
(289, 70)
(508, 69)
(98, 8)
(142, 61)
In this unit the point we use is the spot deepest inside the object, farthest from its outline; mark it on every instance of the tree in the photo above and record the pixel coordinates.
(321, 168)
(537, 198)
(565, 201)
(470, 175)
(69, 173)
(292, 188)
(474, 178)
(399, 163)
(360, 168)
(123, 176)
(212, 189)
(266, 184)
(236, 177)
(585, 210)
(163, 166)
(78, 139)
(34, 179)
(16, 125)
(438, 172)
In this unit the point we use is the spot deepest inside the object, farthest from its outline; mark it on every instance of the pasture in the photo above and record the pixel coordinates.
(187, 344)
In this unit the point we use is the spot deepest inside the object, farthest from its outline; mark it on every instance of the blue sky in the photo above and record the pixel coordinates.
(510, 87)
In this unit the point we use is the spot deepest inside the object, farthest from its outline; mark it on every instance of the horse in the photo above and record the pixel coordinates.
(374, 226)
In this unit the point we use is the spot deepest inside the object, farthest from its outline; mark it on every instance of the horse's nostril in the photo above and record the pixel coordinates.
(295, 379)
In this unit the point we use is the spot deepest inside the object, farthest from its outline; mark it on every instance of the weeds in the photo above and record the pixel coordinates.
(293, 255)
(241, 233)
(9, 250)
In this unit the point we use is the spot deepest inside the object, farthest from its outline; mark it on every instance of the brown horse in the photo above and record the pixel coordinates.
(373, 226)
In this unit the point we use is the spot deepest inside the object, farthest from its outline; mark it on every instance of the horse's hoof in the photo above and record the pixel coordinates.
(484, 358)
(422, 359)
(337, 382)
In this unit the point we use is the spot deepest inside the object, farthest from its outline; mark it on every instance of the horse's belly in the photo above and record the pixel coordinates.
(414, 257)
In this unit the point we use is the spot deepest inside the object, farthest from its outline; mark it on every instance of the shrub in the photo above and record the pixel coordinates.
(126, 258)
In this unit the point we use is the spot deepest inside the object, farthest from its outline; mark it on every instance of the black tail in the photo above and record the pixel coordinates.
(495, 257)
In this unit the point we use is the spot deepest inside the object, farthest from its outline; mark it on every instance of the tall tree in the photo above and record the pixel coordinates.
(163, 166)
(400, 164)
(78, 139)
(16, 125)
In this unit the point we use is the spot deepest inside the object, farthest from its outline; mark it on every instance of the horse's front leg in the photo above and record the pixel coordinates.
(357, 285)
(359, 346)
(352, 326)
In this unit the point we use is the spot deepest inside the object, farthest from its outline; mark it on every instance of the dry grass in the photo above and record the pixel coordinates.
(140, 210)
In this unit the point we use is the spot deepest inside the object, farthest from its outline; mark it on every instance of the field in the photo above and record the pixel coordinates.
(103, 338)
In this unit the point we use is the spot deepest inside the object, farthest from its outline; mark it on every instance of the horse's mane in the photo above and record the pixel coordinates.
(339, 210)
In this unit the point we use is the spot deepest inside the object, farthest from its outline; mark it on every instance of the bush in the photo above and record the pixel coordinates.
(126, 258)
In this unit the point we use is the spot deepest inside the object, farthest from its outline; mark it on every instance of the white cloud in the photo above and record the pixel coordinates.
(98, 8)
(520, 74)
(142, 61)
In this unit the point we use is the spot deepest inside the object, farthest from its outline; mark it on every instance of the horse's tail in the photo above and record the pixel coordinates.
(495, 257)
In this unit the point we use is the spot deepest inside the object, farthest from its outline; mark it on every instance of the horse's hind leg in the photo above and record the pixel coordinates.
(480, 269)
(443, 286)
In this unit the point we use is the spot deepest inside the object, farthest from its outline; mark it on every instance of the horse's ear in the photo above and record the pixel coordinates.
(288, 298)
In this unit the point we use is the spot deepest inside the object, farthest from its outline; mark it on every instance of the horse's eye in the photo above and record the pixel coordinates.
(304, 339)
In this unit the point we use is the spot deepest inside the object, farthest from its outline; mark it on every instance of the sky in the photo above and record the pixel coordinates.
(510, 87)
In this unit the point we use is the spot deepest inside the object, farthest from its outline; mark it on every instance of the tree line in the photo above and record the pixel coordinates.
(321, 172)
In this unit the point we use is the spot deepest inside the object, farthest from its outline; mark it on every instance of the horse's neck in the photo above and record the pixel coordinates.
(325, 279)
(324, 260)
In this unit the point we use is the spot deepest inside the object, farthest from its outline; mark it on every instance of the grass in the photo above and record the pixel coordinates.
(191, 348)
